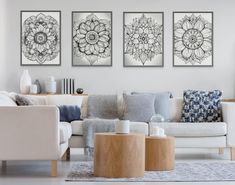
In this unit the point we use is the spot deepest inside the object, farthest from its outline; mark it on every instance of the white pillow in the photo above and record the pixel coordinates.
(64, 100)
(5, 100)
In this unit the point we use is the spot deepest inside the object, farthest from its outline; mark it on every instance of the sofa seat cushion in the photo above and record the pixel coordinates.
(77, 128)
(65, 132)
(138, 127)
(206, 129)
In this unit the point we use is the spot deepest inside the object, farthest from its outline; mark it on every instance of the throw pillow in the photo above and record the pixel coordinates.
(138, 107)
(22, 101)
(201, 106)
(6, 100)
(161, 103)
(102, 106)
(69, 113)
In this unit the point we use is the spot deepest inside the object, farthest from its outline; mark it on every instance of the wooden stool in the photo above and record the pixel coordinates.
(160, 153)
(119, 155)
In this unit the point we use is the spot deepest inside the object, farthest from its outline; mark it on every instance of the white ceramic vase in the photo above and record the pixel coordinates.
(50, 85)
(25, 82)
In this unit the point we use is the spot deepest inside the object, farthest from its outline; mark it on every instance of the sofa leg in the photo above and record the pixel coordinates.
(54, 168)
(221, 151)
(232, 151)
(66, 156)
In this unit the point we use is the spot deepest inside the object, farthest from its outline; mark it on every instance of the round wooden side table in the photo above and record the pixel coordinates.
(160, 153)
(119, 155)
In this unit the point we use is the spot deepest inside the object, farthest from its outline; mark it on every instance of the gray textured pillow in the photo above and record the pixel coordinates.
(22, 101)
(138, 107)
(102, 106)
(161, 104)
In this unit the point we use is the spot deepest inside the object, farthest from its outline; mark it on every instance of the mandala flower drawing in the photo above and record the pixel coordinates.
(41, 38)
(193, 39)
(92, 39)
(143, 39)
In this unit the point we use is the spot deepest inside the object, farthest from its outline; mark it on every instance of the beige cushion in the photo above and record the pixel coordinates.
(176, 106)
(138, 127)
(65, 132)
(64, 100)
(77, 127)
(192, 129)
(84, 107)
(37, 100)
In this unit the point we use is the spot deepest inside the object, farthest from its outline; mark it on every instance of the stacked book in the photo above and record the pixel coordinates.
(68, 86)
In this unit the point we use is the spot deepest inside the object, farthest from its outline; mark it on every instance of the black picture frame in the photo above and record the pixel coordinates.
(72, 47)
(21, 23)
(124, 21)
(212, 37)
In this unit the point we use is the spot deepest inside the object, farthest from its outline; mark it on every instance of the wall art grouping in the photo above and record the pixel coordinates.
(193, 38)
(143, 39)
(40, 38)
(92, 38)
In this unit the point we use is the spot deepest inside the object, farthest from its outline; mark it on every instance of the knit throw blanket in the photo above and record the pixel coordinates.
(92, 126)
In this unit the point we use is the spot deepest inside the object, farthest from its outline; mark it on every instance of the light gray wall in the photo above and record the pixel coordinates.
(2, 43)
(116, 79)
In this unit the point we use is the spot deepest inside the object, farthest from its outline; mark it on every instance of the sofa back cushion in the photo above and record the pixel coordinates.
(22, 100)
(176, 106)
(102, 106)
(37, 99)
(5, 100)
(64, 100)
(161, 103)
(138, 107)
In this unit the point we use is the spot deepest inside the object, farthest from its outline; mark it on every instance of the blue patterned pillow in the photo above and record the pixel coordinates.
(201, 106)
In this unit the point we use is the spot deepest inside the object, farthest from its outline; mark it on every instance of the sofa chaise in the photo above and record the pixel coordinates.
(32, 133)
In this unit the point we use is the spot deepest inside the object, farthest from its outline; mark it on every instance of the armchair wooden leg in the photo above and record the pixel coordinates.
(232, 151)
(66, 156)
(54, 168)
(221, 151)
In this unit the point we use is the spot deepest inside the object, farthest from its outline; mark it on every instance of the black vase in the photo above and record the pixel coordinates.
(79, 90)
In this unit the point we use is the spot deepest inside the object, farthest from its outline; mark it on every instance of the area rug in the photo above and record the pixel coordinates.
(183, 172)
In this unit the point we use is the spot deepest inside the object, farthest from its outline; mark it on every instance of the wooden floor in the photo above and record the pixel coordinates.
(38, 173)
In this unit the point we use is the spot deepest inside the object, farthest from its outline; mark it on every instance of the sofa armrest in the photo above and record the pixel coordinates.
(29, 133)
(228, 111)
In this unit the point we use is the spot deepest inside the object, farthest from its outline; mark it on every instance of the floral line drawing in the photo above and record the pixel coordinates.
(92, 38)
(193, 39)
(143, 38)
(40, 38)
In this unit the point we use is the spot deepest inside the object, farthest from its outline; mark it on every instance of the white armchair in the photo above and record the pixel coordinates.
(32, 133)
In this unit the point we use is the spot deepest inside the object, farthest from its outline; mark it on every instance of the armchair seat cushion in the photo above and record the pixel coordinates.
(205, 129)
(65, 132)
(77, 128)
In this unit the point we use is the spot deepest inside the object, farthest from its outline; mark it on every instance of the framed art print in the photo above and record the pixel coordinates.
(193, 39)
(92, 38)
(143, 39)
(40, 38)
